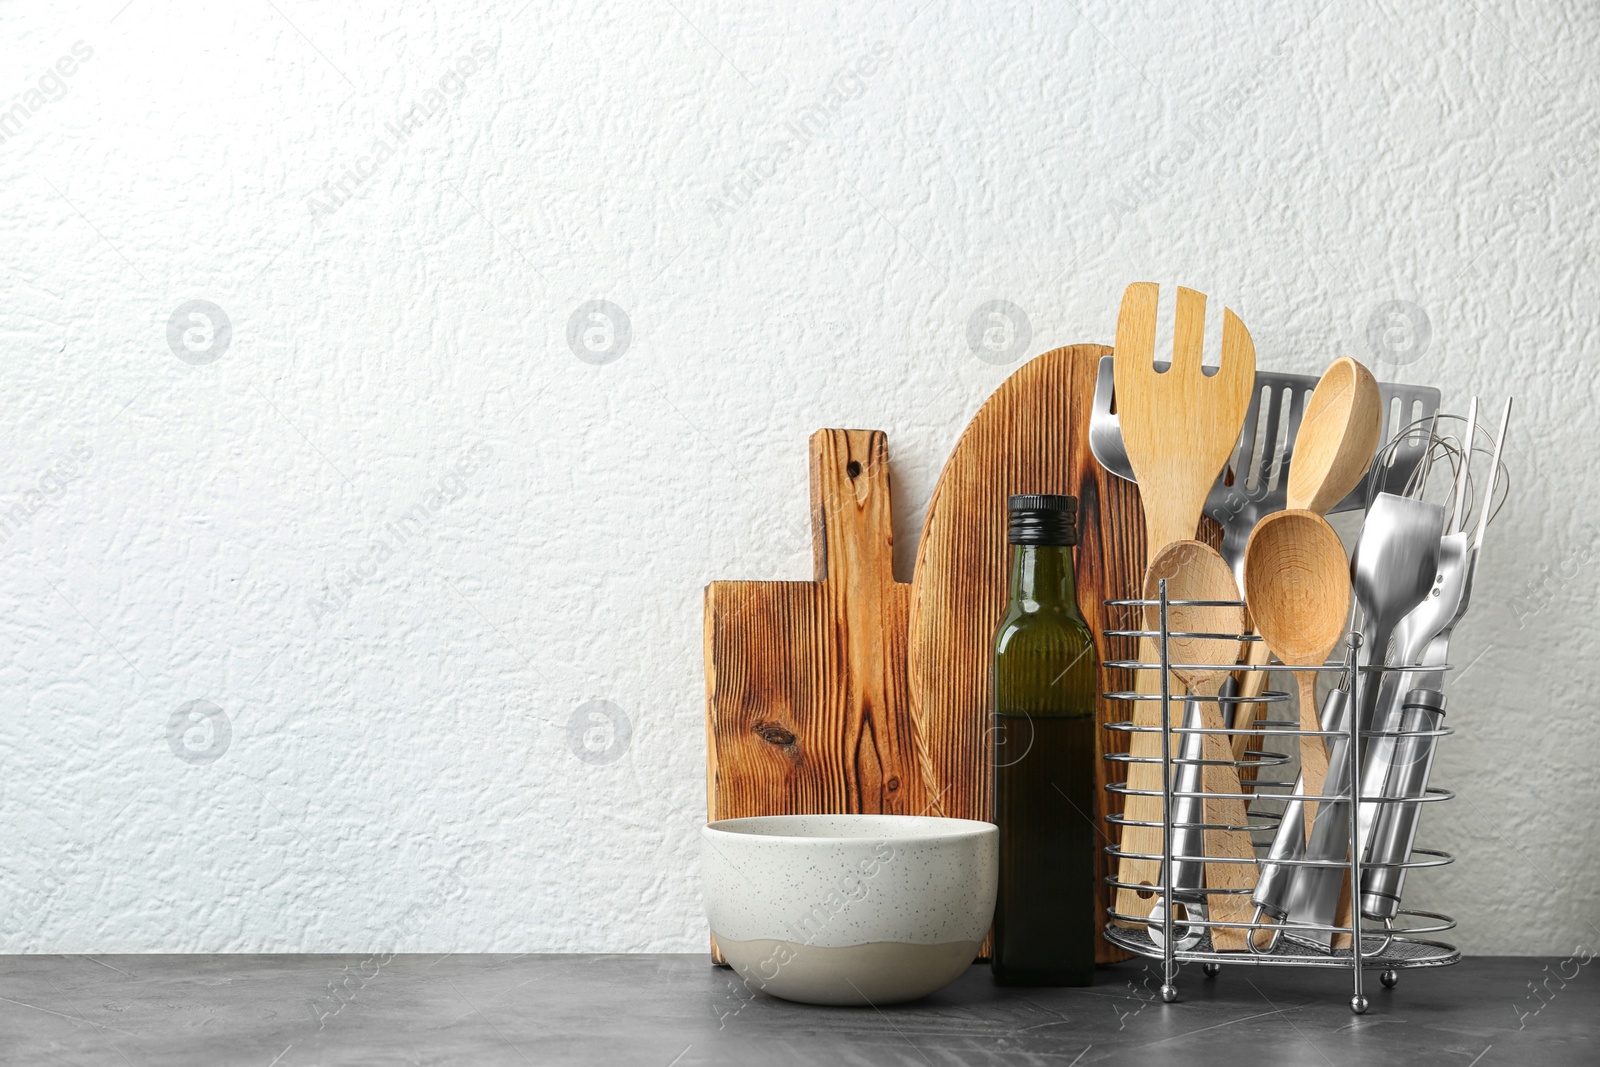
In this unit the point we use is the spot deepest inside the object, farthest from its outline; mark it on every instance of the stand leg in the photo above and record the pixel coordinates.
(1358, 999)
(1169, 963)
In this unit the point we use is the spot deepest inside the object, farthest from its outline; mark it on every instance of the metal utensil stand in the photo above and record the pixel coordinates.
(1371, 944)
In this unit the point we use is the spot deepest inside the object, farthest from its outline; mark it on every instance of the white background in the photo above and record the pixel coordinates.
(398, 767)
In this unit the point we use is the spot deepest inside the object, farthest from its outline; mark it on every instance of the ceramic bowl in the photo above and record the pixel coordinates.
(849, 909)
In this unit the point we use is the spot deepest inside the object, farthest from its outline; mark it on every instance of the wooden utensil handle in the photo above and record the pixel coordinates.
(1313, 750)
(1146, 776)
(1245, 716)
(1219, 777)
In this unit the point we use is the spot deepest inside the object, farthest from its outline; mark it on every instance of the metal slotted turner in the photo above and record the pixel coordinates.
(1255, 482)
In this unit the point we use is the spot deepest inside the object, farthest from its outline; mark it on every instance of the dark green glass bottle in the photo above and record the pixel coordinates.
(1044, 758)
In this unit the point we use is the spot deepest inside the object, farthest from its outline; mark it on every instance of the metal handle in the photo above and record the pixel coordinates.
(1273, 886)
(1395, 827)
(1185, 875)
(1379, 755)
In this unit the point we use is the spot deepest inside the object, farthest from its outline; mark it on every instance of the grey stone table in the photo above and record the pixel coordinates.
(676, 1011)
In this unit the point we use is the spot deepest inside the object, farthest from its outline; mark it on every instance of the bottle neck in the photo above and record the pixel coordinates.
(1041, 577)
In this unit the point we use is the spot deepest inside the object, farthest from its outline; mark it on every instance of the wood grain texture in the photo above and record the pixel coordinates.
(1179, 428)
(807, 707)
(1333, 448)
(1195, 571)
(1297, 582)
(1030, 436)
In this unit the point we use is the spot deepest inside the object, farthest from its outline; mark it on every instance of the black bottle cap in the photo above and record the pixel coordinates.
(1043, 519)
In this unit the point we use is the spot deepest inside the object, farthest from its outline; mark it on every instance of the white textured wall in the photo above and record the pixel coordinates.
(385, 750)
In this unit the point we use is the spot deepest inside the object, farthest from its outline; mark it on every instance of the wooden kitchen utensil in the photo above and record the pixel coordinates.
(1333, 448)
(807, 709)
(1297, 585)
(1178, 427)
(1337, 437)
(1195, 571)
(1030, 436)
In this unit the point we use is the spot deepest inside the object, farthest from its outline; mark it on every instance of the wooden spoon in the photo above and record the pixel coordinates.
(1195, 571)
(1179, 426)
(1337, 438)
(1333, 448)
(1297, 583)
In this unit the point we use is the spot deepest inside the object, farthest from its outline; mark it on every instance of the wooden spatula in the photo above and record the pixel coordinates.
(1178, 427)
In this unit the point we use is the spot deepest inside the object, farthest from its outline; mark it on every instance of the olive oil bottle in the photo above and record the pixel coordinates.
(1044, 757)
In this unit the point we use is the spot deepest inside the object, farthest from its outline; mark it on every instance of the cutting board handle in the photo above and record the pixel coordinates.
(852, 537)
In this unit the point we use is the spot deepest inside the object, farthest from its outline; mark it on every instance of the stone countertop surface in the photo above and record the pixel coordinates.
(678, 1010)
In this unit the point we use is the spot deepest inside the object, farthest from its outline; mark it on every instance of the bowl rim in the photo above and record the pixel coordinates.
(948, 829)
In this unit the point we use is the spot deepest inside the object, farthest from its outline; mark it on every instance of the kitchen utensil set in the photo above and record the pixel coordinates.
(1364, 760)
(1256, 481)
(1336, 440)
(1398, 770)
(1416, 572)
(1261, 474)
(1393, 569)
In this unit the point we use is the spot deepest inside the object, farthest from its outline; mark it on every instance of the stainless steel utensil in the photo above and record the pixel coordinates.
(1289, 843)
(1395, 563)
(1436, 614)
(1394, 830)
(1393, 568)
(1400, 771)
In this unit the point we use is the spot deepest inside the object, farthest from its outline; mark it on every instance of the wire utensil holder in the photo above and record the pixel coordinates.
(1371, 943)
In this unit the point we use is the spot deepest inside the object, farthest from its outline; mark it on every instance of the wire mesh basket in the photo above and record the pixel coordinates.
(1306, 901)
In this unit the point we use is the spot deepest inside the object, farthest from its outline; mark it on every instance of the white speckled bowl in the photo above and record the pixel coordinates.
(849, 909)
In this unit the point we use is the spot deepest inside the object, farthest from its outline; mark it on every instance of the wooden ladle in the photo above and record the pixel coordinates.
(1195, 571)
(1338, 436)
(1297, 583)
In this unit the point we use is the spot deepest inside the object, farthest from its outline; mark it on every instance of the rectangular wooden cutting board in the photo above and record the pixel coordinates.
(807, 708)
